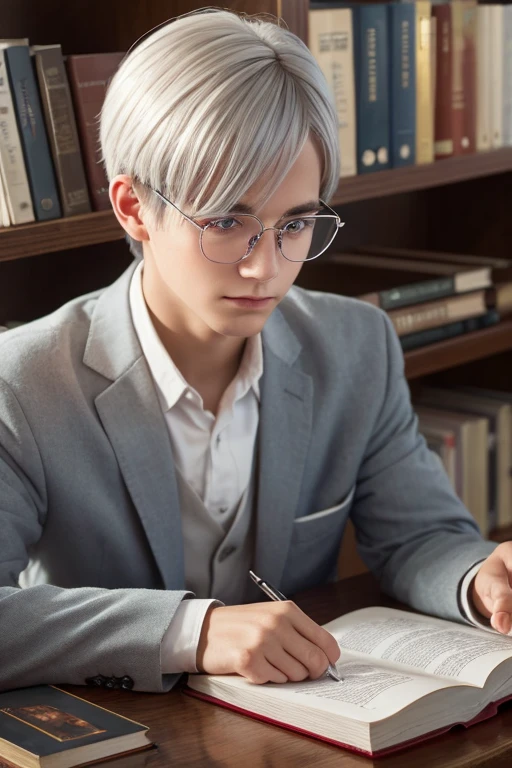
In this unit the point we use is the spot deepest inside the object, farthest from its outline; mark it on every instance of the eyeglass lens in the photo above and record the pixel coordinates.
(229, 239)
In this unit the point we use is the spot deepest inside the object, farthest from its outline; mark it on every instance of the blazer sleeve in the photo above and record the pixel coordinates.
(412, 531)
(55, 635)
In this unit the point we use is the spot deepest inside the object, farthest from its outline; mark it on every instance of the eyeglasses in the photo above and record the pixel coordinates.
(232, 238)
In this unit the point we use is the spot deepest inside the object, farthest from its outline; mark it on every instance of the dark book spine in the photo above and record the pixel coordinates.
(372, 87)
(416, 293)
(468, 142)
(88, 79)
(36, 150)
(443, 124)
(448, 331)
(402, 63)
(62, 131)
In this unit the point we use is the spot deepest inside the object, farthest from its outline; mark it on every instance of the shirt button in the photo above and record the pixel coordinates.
(226, 552)
(217, 440)
(223, 510)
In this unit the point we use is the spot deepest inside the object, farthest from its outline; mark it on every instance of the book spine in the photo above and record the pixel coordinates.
(331, 42)
(33, 133)
(483, 79)
(372, 87)
(432, 314)
(424, 105)
(416, 293)
(468, 143)
(450, 330)
(507, 75)
(88, 79)
(443, 131)
(62, 131)
(12, 164)
(457, 75)
(496, 84)
(402, 92)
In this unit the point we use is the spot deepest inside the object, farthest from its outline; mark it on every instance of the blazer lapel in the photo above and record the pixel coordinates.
(131, 415)
(285, 429)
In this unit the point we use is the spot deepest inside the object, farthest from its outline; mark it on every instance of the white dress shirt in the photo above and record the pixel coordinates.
(213, 454)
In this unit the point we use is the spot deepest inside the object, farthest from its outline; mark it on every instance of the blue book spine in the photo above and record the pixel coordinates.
(372, 87)
(36, 150)
(402, 83)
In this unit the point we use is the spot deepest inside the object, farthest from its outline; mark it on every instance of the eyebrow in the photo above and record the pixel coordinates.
(311, 205)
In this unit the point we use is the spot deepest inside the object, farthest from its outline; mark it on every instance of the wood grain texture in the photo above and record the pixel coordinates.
(195, 734)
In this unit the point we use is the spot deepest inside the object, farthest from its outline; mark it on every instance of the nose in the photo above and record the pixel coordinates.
(262, 264)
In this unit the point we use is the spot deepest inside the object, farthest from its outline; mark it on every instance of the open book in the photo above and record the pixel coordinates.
(407, 677)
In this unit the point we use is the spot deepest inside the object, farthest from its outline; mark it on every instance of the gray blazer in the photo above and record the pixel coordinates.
(88, 490)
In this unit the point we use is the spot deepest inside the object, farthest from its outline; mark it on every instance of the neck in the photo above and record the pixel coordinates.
(207, 360)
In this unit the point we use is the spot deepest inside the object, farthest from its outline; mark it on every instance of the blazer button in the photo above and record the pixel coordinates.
(127, 683)
(110, 682)
(226, 552)
(97, 681)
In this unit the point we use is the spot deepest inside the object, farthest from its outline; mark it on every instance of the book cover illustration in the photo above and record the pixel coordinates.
(62, 726)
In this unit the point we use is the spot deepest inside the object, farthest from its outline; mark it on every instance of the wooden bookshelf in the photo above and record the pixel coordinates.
(417, 177)
(59, 234)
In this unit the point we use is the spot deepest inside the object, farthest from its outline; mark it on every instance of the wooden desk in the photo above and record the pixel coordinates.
(193, 733)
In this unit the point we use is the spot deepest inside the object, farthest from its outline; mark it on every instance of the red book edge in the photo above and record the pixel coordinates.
(489, 711)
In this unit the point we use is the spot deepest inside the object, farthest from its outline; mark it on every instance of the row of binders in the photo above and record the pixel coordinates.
(49, 157)
(470, 430)
(417, 81)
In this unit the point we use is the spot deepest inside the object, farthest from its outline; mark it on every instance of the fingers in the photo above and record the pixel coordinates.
(493, 591)
(317, 635)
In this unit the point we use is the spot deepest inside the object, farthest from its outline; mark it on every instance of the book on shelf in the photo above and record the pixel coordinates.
(89, 75)
(371, 47)
(443, 130)
(499, 416)
(406, 678)
(424, 106)
(501, 269)
(331, 42)
(432, 314)
(413, 341)
(15, 183)
(483, 78)
(507, 75)
(391, 283)
(496, 84)
(45, 727)
(62, 130)
(442, 441)
(402, 83)
(36, 149)
(472, 456)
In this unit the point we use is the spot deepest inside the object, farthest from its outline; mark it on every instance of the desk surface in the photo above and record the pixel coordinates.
(189, 732)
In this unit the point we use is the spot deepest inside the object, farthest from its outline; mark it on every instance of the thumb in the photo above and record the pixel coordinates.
(493, 594)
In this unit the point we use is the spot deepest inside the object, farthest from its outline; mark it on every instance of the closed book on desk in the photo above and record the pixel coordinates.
(406, 678)
(44, 727)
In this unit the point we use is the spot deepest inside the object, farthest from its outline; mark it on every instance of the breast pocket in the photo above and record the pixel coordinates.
(315, 545)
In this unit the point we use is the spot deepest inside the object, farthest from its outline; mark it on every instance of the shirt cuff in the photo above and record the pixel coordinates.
(178, 648)
(468, 609)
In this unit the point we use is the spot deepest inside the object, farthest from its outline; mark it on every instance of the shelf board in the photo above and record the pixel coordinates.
(415, 177)
(58, 235)
(459, 350)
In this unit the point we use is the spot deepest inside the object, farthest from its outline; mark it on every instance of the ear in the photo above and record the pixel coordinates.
(126, 207)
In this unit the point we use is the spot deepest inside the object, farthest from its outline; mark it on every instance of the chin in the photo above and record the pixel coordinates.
(243, 327)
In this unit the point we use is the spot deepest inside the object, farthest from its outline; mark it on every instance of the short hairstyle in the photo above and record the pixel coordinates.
(210, 104)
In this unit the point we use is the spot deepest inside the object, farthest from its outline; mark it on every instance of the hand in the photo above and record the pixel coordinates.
(264, 642)
(491, 591)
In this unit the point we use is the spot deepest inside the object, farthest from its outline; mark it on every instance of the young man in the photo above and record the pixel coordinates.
(200, 416)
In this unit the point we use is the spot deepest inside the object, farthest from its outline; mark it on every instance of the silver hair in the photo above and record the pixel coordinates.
(211, 104)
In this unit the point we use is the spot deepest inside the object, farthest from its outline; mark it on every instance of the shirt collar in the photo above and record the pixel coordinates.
(170, 384)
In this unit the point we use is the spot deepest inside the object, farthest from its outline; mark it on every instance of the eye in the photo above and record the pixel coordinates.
(297, 226)
(224, 225)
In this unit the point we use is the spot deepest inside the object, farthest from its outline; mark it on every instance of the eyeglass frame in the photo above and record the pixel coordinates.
(333, 215)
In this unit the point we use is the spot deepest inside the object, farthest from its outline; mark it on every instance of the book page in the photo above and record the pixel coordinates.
(421, 643)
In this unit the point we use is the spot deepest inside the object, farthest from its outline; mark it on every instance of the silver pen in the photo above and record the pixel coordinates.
(275, 594)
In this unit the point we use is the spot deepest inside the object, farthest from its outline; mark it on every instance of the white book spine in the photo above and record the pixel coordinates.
(12, 164)
(331, 42)
(483, 78)
(496, 83)
(507, 75)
